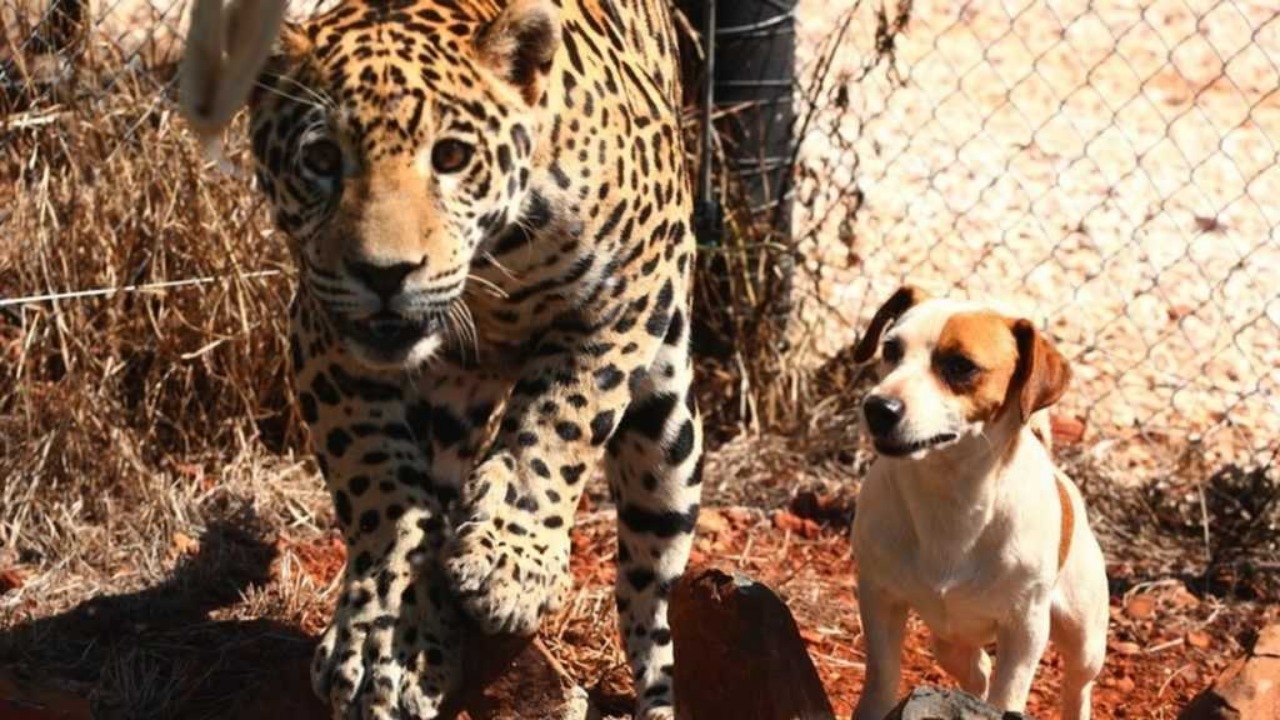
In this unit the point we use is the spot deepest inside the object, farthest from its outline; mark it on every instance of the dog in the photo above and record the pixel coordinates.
(963, 516)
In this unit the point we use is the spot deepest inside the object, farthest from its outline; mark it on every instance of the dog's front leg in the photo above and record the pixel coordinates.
(884, 623)
(1020, 643)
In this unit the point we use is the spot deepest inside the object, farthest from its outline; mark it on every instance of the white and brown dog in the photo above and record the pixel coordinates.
(963, 517)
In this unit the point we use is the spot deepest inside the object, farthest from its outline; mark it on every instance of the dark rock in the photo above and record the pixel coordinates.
(506, 676)
(930, 703)
(1248, 688)
(739, 653)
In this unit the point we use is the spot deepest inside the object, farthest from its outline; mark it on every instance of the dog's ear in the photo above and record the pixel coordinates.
(280, 75)
(520, 43)
(227, 46)
(1041, 375)
(901, 301)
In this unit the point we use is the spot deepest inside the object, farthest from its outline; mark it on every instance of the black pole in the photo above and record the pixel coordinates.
(743, 74)
(708, 222)
(754, 84)
(747, 80)
(754, 80)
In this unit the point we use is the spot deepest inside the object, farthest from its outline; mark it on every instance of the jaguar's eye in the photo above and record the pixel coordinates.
(322, 157)
(450, 156)
(892, 351)
(956, 369)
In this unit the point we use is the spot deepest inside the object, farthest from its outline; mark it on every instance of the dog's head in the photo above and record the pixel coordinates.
(952, 371)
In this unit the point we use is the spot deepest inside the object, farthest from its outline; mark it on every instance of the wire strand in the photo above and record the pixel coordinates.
(144, 287)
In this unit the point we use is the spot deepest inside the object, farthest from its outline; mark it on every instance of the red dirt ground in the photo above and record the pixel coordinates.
(1163, 648)
(1165, 645)
(1161, 652)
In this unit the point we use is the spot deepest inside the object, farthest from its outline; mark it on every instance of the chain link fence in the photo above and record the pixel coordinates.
(1108, 168)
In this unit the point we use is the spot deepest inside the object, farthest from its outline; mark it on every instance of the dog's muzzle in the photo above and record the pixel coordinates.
(884, 417)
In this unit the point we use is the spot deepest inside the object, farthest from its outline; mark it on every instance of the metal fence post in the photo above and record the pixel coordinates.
(748, 84)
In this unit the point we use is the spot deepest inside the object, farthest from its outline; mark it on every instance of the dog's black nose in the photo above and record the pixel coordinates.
(883, 414)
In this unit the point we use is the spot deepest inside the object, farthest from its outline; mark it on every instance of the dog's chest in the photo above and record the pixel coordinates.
(955, 607)
(954, 596)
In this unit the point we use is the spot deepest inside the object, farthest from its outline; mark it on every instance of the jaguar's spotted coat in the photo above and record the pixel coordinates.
(489, 209)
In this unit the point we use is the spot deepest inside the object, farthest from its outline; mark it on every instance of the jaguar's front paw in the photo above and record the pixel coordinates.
(507, 568)
(382, 658)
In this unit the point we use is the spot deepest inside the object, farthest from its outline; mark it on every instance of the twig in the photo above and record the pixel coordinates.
(33, 119)
(1165, 685)
(1163, 646)
(101, 292)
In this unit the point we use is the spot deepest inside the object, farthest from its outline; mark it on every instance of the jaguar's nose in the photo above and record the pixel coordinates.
(384, 280)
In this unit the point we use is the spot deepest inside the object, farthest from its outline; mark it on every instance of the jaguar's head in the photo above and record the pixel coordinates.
(393, 140)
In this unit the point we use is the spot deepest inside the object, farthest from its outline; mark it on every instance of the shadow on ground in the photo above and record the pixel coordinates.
(158, 653)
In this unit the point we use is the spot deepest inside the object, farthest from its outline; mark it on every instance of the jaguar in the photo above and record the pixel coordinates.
(488, 207)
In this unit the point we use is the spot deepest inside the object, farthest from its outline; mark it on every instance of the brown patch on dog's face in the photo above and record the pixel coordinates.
(975, 360)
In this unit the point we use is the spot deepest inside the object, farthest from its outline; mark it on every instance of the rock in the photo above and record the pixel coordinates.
(1140, 607)
(739, 653)
(1199, 639)
(288, 695)
(11, 579)
(787, 521)
(507, 677)
(1066, 430)
(931, 703)
(833, 510)
(1248, 688)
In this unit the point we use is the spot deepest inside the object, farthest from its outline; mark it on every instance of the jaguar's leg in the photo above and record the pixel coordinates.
(654, 469)
(449, 415)
(391, 648)
(509, 559)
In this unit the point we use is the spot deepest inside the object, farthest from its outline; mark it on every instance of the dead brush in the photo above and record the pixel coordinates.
(757, 371)
(105, 400)
(114, 193)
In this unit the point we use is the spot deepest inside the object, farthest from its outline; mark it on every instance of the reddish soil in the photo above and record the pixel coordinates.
(1163, 649)
(1165, 645)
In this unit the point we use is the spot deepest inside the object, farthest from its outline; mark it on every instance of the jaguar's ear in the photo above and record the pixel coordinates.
(519, 44)
(227, 46)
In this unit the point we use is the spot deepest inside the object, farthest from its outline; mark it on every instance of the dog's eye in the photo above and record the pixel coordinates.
(956, 369)
(450, 156)
(892, 351)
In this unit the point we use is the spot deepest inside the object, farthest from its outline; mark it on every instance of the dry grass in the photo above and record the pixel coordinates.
(132, 421)
(124, 388)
